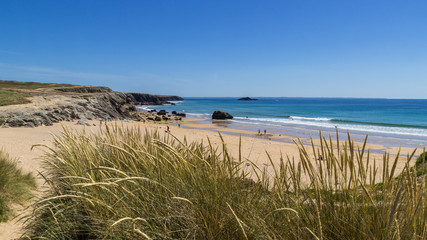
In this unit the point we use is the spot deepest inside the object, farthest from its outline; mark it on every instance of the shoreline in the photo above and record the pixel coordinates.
(388, 122)
(389, 141)
(224, 127)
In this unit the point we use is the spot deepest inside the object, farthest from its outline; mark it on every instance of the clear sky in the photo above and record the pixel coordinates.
(220, 48)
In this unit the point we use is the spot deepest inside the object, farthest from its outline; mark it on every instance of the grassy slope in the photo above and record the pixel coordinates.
(8, 97)
(14, 185)
(124, 184)
(11, 91)
(29, 85)
(14, 92)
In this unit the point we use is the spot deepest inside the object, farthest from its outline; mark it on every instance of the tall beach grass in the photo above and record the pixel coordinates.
(128, 183)
(15, 186)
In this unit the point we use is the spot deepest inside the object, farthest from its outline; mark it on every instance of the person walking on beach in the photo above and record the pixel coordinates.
(259, 131)
(265, 132)
(167, 127)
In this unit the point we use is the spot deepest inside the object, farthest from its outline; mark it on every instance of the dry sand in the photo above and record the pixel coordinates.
(18, 142)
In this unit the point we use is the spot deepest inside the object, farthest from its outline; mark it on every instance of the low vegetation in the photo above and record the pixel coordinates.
(14, 185)
(130, 184)
(8, 97)
(421, 164)
(14, 92)
(29, 85)
(85, 89)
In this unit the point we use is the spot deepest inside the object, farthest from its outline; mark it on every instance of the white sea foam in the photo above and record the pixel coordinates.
(144, 108)
(309, 118)
(176, 102)
(326, 123)
(199, 115)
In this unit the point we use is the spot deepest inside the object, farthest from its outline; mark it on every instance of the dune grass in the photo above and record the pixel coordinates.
(14, 185)
(133, 184)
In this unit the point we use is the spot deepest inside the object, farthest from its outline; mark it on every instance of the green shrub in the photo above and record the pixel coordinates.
(421, 164)
(14, 185)
(128, 184)
(422, 159)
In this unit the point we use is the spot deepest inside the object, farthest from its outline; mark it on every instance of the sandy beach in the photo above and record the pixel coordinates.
(18, 142)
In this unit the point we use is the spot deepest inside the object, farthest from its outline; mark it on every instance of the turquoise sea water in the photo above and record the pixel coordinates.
(388, 119)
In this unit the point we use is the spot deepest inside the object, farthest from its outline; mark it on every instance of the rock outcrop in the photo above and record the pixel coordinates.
(80, 104)
(107, 106)
(162, 112)
(148, 99)
(221, 115)
(84, 89)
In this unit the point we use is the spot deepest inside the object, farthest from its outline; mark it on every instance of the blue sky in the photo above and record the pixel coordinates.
(220, 48)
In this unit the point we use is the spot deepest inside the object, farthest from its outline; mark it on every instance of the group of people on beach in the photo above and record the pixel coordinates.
(259, 132)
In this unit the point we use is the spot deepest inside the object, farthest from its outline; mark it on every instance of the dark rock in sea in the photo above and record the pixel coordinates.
(247, 99)
(173, 112)
(180, 114)
(221, 115)
(162, 113)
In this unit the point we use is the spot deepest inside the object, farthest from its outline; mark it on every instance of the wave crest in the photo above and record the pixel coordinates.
(310, 118)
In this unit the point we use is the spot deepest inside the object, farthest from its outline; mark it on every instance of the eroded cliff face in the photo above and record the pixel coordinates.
(148, 99)
(55, 108)
(84, 89)
(46, 110)
(137, 98)
(98, 104)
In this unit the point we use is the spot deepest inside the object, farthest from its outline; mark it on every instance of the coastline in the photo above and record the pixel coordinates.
(390, 122)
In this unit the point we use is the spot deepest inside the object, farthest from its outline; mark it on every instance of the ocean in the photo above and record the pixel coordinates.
(392, 122)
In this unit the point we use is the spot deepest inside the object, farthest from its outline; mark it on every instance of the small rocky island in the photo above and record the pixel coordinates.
(247, 99)
(221, 115)
(31, 104)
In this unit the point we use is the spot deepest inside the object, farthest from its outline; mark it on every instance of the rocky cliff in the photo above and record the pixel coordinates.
(84, 89)
(56, 108)
(77, 102)
(148, 99)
